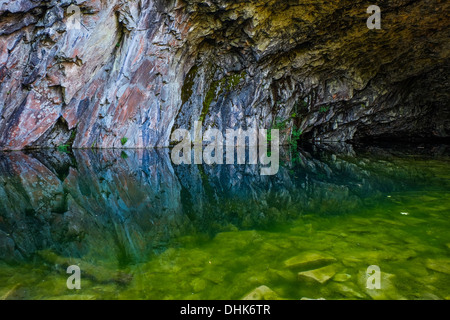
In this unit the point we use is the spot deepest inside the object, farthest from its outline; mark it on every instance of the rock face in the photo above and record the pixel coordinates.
(140, 69)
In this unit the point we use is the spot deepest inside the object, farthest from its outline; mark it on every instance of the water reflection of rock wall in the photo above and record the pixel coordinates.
(125, 205)
(80, 205)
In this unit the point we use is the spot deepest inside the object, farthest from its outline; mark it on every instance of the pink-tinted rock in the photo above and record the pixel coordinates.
(124, 72)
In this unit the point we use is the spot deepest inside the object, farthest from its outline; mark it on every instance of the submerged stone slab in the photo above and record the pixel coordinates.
(198, 285)
(440, 265)
(341, 277)
(320, 275)
(308, 260)
(429, 296)
(387, 290)
(282, 274)
(261, 293)
(348, 290)
(74, 297)
(10, 292)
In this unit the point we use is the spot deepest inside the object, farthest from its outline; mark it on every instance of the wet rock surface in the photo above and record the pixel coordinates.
(140, 69)
(320, 275)
(261, 293)
(308, 260)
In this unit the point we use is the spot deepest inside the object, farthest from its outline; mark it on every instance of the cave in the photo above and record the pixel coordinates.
(93, 92)
(148, 68)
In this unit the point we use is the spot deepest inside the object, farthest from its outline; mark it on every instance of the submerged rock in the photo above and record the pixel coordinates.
(198, 285)
(441, 265)
(74, 297)
(347, 290)
(429, 296)
(341, 277)
(99, 273)
(282, 274)
(135, 220)
(10, 293)
(308, 260)
(387, 289)
(261, 293)
(320, 275)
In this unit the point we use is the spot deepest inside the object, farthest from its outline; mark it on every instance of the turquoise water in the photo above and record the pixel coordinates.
(140, 227)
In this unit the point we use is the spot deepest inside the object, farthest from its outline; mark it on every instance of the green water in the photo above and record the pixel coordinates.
(141, 228)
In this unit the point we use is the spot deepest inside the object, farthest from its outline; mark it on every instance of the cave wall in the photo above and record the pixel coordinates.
(140, 69)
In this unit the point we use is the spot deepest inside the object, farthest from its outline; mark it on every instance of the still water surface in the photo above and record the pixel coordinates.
(140, 227)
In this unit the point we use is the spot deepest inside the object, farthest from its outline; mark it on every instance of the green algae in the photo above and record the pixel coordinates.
(227, 83)
(215, 90)
(217, 87)
(186, 90)
(246, 259)
(235, 79)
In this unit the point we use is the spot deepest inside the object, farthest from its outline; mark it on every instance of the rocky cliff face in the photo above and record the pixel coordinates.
(140, 69)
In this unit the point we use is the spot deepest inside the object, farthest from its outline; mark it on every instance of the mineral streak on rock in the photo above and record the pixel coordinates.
(140, 69)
